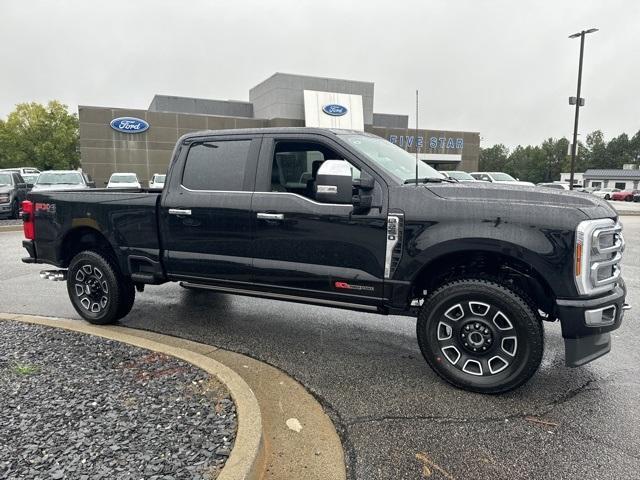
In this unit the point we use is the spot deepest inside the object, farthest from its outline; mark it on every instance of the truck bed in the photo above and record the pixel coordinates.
(126, 219)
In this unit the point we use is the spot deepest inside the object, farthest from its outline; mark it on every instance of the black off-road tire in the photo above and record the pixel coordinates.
(15, 210)
(491, 318)
(94, 287)
(128, 297)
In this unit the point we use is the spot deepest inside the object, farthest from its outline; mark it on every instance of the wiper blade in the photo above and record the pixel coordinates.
(430, 180)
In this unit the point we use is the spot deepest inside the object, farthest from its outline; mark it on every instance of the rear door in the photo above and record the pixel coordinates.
(205, 210)
(306, 248)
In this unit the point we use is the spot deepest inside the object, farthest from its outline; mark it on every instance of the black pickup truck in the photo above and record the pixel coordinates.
(340, 218)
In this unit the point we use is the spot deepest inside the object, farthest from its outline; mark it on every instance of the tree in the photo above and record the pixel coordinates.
(40, 136)
(494, 159)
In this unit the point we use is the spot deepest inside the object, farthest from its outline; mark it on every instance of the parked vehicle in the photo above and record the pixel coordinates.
(89, 181)
(605, 193)
(13, 190)
(157, 181)
(123, 180)
(30, 179)
(499, 177)
(21, 170)
(60, 180)
(459, 176)
(624, 195)
(337, 218)
(557, 186)
(562, 186)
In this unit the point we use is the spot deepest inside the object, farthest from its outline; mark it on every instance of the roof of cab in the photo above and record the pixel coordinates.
(275, 130)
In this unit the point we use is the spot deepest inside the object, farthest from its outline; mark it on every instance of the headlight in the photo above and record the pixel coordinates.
(598, 252)
(4, 198)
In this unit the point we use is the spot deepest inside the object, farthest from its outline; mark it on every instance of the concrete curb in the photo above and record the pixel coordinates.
(10, 228)
(247, 459)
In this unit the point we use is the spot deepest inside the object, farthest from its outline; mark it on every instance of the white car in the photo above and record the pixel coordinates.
(124, 180)
(499, 177)
(56, 180)
(22, 170)
(605, 193)
(157, 181)
(458, 175)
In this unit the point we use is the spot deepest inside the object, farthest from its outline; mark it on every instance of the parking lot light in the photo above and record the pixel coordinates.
(578, 102)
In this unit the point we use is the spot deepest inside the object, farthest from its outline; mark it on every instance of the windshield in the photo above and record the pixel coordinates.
(59, 178)
(396, 161)
(460, 175)
(30, 177)
(503, 177)
(159, 178)
(123, 179)
(5, 179)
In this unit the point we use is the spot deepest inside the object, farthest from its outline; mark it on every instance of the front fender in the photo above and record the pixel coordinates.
(548, 251)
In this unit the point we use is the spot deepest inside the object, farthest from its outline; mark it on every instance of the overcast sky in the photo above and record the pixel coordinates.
(502, 68)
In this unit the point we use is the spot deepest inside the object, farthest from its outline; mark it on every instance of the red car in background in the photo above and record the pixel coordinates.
(626, 195)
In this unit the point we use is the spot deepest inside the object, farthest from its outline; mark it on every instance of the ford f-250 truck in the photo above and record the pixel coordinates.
(340, 218)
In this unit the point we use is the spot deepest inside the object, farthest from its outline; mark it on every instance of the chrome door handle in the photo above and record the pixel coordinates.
(271, 216)
(179, 211)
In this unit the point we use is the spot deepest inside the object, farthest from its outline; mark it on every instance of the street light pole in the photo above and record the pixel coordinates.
(578, 102)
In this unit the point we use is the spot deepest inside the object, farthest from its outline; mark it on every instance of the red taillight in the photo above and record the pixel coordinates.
(28, 223)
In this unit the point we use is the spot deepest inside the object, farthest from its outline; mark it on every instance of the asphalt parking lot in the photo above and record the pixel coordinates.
(396, 418)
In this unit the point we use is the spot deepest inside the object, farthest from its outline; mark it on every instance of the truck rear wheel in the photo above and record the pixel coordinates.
(480, 336)
(94, 287)
(15, 210)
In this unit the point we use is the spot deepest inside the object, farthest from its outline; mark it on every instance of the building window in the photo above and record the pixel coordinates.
(621, 185)
(216, 165)
(596, 184)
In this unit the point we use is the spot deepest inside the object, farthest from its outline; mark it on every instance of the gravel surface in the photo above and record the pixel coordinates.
(77, 406)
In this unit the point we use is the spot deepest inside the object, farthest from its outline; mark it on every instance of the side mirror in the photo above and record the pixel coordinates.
(334, 182)
(363, 199)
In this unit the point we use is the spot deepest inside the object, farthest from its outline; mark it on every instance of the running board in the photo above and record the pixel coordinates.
(281, 296)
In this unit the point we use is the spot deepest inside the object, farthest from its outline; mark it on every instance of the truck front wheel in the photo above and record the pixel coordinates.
(480, 336)
(95, 287)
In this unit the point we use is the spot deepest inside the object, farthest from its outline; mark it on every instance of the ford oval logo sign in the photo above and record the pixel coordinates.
(334, 110)
(129, 125)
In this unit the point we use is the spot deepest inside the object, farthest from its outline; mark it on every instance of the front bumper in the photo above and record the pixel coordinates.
(587, 323)
(5, 208)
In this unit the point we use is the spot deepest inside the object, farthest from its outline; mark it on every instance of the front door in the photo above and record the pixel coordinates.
(304, 247)
(205, 214)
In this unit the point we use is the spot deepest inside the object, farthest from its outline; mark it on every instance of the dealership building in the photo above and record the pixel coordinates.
(141, 141)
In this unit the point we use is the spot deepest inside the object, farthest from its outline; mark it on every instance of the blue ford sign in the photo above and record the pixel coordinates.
(129, 125)
(334, 110)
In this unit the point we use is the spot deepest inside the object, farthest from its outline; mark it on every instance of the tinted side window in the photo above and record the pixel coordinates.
(216, 165)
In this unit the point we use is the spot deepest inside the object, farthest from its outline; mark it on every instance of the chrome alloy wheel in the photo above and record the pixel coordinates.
(477, 338)
(91, 288)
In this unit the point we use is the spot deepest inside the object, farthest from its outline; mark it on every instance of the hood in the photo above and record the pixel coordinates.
(5, 188)
(57, 188)
(590, 205)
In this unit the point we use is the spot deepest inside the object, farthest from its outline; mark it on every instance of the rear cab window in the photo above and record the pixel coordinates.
(218, 165)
